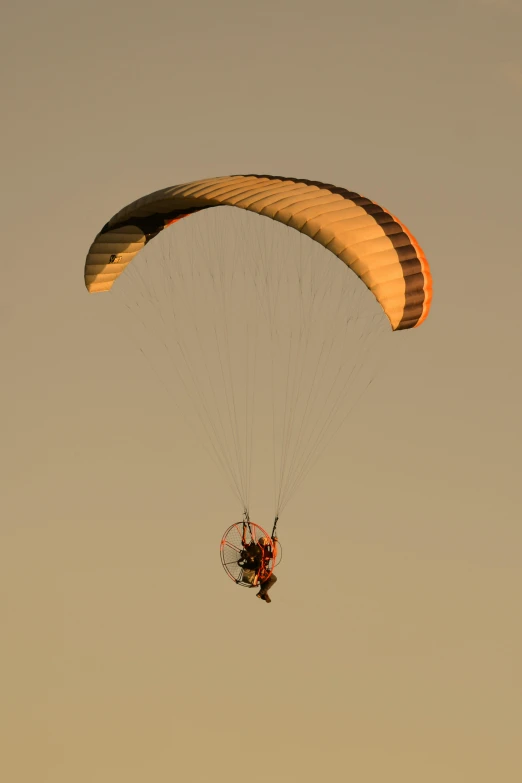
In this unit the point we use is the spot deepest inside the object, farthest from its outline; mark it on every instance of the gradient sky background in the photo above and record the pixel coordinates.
(126, 654)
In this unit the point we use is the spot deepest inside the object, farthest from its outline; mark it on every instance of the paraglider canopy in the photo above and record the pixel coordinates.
(368, 238)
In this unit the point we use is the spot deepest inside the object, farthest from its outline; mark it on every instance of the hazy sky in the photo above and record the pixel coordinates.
(392, 649)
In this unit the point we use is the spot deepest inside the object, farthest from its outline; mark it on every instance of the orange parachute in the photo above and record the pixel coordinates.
(372, 242)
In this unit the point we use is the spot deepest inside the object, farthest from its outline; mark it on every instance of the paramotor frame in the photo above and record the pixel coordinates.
(234, 543)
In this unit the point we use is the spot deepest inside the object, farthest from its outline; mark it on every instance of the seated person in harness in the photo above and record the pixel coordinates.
(254, 561)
